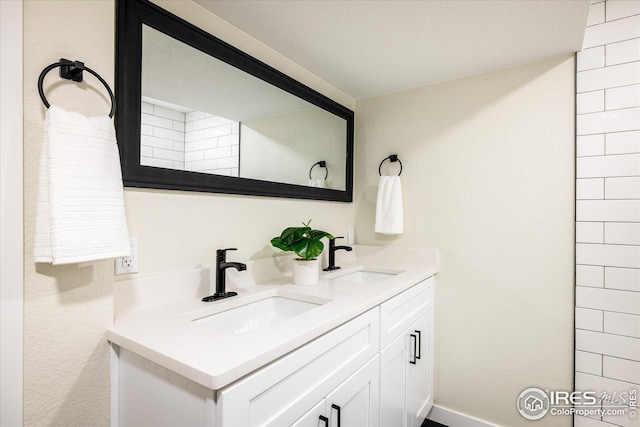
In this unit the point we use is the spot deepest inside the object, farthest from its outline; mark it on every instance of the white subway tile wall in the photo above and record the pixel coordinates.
(212, 144)
(590, 275)
(589, 363)
(589, 319)
(194, 141)
(627, 187)
(623, 142)
(590, 145)
(607, 321)
(161, 140)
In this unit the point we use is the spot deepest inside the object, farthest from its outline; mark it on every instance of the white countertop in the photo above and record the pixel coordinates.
(168, 335)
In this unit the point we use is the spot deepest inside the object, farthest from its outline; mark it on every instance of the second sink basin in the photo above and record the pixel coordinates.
(258, 315)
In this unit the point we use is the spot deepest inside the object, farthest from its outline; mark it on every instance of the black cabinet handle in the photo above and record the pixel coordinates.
(415, 342)
(419, 344)
(325, 420)
(337, 408)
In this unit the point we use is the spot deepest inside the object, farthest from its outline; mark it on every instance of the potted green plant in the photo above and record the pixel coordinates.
(307, 244)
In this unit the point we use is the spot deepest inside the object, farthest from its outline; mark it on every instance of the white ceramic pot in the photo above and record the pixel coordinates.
(306, 272)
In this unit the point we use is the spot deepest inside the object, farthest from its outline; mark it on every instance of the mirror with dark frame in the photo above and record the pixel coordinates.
(194, 113)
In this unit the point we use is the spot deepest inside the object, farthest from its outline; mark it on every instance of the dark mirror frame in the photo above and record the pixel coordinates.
(130, 16)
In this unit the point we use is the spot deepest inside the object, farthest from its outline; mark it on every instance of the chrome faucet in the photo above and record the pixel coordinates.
(332, 253)
(221, 266)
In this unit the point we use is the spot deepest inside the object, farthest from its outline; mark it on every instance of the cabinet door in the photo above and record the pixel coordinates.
(355, 402)
(313, 417)
(420, 370)
(393, 382)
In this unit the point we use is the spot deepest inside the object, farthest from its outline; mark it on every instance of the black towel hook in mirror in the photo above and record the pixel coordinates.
(322, 164)
(72, 70)
(392, 158)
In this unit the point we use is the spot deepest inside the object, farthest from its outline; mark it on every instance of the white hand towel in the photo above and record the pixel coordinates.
(389, 206)
(319, 183)
(80, 212)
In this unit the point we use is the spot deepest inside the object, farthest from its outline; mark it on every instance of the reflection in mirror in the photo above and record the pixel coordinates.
(178, 137)
(203, 115)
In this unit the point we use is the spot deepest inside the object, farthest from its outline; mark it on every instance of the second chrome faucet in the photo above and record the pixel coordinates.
(221, 267)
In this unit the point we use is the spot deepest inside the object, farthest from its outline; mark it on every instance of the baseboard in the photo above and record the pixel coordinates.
(451, 418)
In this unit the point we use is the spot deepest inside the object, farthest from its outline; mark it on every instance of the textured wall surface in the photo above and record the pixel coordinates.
(488, 180)
(608, 209)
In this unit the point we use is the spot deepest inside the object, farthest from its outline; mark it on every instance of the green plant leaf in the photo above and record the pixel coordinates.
(291, 235)
(308, 248)
(318, 234)
(304, 241)
(278, 244)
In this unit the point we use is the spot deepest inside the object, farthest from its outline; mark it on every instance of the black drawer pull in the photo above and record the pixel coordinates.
(419, 344)
(337, 408)
(325, 420)
(415, 342)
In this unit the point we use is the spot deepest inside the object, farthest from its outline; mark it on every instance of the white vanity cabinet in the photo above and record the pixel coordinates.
(376, 370)
(406, 358)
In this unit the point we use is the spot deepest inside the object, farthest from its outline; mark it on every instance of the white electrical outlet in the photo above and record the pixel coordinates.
(128, 264)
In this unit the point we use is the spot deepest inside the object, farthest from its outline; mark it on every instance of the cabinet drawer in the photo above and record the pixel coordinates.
(278, 394)
(397, 314)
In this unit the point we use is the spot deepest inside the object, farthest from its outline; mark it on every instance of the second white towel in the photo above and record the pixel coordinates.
(80, 212)
(389, 214)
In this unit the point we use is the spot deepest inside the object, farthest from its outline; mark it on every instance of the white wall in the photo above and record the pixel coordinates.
(608, 206)
(68, 308)
(488, 180)
(11, 234)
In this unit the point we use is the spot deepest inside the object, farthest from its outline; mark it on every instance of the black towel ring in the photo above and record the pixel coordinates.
(322, 164)
(392, 158)
(72, 70)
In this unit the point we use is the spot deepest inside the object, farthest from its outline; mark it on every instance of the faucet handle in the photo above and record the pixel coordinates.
(222, 253)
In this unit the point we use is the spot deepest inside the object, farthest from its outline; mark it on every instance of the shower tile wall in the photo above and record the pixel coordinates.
(162, 137)
(212, 144)
(193, 141)
(608, 209)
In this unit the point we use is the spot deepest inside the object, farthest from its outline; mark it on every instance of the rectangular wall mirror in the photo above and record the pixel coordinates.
(194, 113)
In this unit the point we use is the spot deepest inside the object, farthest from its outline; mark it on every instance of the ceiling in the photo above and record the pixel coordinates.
(371, 47)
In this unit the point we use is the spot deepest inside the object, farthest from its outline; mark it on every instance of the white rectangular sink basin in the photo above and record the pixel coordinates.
(258, 315)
